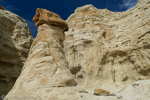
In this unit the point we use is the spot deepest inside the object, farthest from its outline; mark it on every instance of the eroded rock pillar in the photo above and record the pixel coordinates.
(46, 65)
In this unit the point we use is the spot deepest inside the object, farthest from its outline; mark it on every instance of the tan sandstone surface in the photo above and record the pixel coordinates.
(106, 56)
(15, 41)
(109, 50)
(46, 65)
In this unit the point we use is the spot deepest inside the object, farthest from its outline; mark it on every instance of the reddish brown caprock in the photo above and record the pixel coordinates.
(44, 16)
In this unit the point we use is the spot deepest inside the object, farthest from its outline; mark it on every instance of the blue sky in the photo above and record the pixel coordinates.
(26, 8)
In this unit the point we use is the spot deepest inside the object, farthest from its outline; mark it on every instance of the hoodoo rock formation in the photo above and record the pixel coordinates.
(46, 65)
(106, 56)
(15, 41)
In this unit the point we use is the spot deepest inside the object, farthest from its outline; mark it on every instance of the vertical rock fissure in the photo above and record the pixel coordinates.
(52, 56)
(53, 59)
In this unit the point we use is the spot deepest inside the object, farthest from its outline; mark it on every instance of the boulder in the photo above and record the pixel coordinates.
(101, 92)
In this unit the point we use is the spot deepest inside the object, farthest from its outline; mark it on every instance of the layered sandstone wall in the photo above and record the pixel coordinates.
(109, 50)
(15, 41)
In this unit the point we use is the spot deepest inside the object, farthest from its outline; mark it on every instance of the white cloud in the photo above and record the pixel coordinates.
(128, 4)
(10, 8)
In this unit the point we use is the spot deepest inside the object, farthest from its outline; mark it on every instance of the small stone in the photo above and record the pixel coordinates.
(101, 92)
(119, 97)
(112, 94)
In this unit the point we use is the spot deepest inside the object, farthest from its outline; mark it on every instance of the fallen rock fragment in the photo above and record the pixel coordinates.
(101, 92)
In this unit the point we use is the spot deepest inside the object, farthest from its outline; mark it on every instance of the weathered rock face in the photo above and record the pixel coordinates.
(15, 41)
(106, 51)
(46, 65)
(1, 7)
(109, 50)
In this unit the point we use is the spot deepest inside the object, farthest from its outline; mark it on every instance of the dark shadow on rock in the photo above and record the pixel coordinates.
(15, 42)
